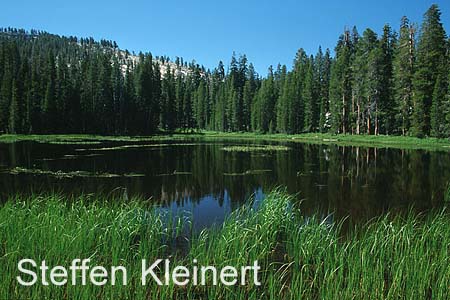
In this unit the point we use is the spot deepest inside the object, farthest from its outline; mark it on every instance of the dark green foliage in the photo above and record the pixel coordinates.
(438, 108)
(365, 71)
(403, 73)
(384, 84)
(374, 88)
(431, 57)
(50, 113)
(447, 99)
(387, 46)
(323, 68)
(310, 99)
(15, 110)
(168, 102)
(264, 107)
(284, 105)
(340, 85)
(201, 105)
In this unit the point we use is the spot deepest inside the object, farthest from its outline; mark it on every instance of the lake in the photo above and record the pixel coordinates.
(202, 179)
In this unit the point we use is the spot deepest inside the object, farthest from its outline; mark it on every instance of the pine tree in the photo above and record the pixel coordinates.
(249, 90)
(366, 83)
(374, 88)
(117, 85)
(62, 91)
(6, 87)
(74, 101)
(387, 102)
(200, 105)
(447, 99)
(179, 96)
(55, 84)
(438, 107)
(5, 98)
(104, 96)
(217, 92)
(340, 85)
(323, 77)
(129, 109)
(264, 119)
(403, 74)
(15, 118)
(187, 106)
(168, 101)
(220, 108)
(50, 107)
(154, 106)
(148, 95)
(296, 104)
(284, 104)
(309, 99)
(431, 54)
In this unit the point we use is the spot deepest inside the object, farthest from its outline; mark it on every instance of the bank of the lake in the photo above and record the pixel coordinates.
(379, 141)
(391, 257)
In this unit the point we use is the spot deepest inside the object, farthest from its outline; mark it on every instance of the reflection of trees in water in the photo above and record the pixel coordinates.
(364, 182)
(353, 181)
(212, 172)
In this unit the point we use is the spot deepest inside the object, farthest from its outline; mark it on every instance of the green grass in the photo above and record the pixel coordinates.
(301, 258)
(249, 172)
(381, 141)
(80, 139)
(138, 146)
(447, 193)
(74, 143)
(261, 148)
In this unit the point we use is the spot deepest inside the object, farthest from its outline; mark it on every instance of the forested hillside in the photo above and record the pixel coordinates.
(393, 83)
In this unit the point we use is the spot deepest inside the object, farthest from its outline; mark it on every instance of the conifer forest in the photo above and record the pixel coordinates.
(392, 83)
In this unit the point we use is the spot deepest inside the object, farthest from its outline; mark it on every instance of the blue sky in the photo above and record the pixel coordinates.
(268, 32)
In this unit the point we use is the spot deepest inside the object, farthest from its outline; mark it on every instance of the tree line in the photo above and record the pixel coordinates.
(394, 83)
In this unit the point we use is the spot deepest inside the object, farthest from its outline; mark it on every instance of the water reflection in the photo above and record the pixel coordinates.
(202, 178)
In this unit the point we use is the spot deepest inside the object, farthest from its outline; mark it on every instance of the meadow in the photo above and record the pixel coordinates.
(377, 141)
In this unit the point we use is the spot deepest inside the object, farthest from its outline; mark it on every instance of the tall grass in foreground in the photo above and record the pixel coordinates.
(389, 258)
(447, 193)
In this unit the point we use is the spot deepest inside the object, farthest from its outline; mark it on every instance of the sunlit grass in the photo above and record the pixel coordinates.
(256, 148)
(400, 142)
(81, 139)
(69, 142)
(301, 258)
(447, 193)
(388, 141)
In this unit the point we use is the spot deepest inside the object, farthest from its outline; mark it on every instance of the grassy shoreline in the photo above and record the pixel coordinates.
(301, 258)
(380, 141)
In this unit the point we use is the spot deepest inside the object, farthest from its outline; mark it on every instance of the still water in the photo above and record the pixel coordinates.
(201, 178)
